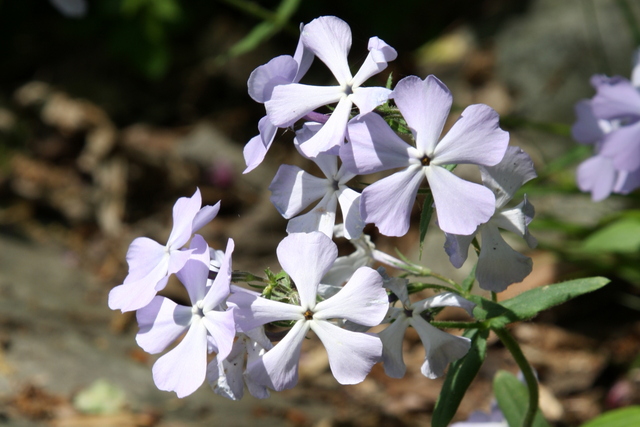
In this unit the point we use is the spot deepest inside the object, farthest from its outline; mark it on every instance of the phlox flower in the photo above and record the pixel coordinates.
(280, 70)
(209, 325)
(498, 264)
(440, 347)
(151, 264)
(307, 258)
(293, 190)
(611, 122)
(476, 138)
(226, 376)
(329, 38)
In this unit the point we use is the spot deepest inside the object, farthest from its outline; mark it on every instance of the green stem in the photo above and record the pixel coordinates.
(412, 288)
(253, 9)
(243, 276)
(532, 384)
(458, 325)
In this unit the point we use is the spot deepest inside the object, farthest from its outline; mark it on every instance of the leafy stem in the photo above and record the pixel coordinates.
(532, 383)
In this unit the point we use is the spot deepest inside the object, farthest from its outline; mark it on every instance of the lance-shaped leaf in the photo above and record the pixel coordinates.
(513, 399)
(461, 373)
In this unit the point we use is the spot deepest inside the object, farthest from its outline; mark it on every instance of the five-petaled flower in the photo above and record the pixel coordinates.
(307, 258)
(475, 138)
(209, 324)
(151, 264)
(329, 38)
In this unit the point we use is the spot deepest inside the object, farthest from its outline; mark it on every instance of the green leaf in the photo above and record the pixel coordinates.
(461, 373)
(425, 218)
(528, 304)
(486, 309)
(263, 31)
(624, 417)
(622, 236)
(513, 399)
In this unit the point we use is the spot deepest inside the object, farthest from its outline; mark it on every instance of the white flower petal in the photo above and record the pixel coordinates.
(253, 311)
(425, 105)
(388, 202)
(291, 102)
(329, 38)
(184, 368)
(475, 138)
(350, 206)
(445, 299)
(505, 178)
(321, 218)
(392, 338)
(278, 368)
(460, 205)
(368, 98)
(441, 348)
(457, 247)
(307, 258)
(161, 322)
(293, 189)
(351, 354)
(373, 146)
(184, 212)
(498, 264)
(362, 300)
(380, 53)
(332, 134)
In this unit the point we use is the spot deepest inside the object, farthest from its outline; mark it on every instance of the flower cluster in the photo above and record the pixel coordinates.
(610, 121)
(234, 336)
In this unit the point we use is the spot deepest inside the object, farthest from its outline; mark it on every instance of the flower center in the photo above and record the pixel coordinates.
(348, 90)
(197, 309)
(425, 160)
(308, 315)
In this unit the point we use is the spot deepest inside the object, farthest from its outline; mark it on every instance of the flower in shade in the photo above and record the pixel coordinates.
(475, 138)
(329, 38)
(307, 258)
(611, 122)
(293, 190)
(209, 325)
(226, 376)
(498, 264)
(151, 264)
(440, 347)
(280, 70)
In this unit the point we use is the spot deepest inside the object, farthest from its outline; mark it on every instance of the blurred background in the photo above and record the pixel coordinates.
(112, 109)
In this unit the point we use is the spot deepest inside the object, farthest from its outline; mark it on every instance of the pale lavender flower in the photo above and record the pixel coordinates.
(498, 264)
(329, 38)
(293, 190)
(611, 122)
(151, 264)
(209, 325)
(440, 347)
(226, 376)
(476, 138)
(307, 258)
(280, 70)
